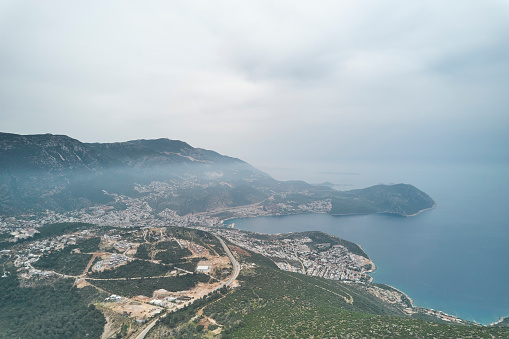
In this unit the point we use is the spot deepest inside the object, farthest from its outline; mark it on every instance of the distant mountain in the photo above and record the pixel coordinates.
(56, 172)
(402, 199)
(60, 153)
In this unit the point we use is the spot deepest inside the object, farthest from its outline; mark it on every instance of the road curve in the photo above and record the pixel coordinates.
(236, 271)
(235, 263)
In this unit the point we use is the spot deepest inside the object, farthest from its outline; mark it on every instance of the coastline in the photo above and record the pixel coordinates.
(287, 229)
(222, 221)
(421, 211)
(499, 321)
(405, 303)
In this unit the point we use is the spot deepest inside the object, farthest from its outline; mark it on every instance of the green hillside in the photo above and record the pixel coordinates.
(270, 303)
(266, 303)
(56, 310)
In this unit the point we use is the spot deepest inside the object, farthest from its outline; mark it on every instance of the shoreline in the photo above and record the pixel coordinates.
(410, 309)
(421, 211)
(222, 221)
(417, 308)
(499, 321)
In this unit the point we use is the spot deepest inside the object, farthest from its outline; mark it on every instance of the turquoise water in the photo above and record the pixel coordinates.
(453, 258)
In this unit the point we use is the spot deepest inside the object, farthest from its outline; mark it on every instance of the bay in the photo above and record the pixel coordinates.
(453, 258)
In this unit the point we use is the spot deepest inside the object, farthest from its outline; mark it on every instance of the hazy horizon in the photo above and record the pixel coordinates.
(273, 83)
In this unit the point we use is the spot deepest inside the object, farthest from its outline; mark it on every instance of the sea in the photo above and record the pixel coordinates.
(454, 258)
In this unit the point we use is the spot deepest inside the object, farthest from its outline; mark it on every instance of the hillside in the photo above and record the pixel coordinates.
(55, 172)
(400, 199)
(270, 303)
(61, 174)
(54, 293)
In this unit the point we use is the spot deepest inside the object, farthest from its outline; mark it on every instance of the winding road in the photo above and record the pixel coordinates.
(236, 271)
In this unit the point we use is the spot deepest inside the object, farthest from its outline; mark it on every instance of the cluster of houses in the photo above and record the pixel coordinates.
(298, 254)
(337, 263)
(441, 315)
(114, 260)
(27, 254)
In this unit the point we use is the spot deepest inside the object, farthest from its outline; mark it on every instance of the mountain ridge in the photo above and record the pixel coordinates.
(105, 153)
(56, 172)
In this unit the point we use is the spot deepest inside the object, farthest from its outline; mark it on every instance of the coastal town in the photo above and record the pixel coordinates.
(291, 253)
(125, 211)
(302, 255)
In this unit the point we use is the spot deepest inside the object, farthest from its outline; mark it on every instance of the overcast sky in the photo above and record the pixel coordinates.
(271, 82)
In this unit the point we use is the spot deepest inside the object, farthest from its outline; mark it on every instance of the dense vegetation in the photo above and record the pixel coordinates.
(5, 245)
(144, 251)
(342, 206)
(146, 287)
(5, 240)
(172, 254)
(52, 230)
(189, 265)
(52, 311)
(277, 304)
(64, 261)
(89, 245)
(167, 245)
(395, 199)
(136, 268)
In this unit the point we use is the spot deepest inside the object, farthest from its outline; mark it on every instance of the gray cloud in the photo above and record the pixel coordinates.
(271, 82)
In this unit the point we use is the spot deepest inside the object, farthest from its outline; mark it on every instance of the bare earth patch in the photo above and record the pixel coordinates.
(240, 250)
(133, 309)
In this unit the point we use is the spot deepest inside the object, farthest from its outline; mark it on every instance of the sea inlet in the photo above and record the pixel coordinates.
(452, 258)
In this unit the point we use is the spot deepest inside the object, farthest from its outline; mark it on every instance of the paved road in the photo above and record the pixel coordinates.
(235, 263)
(236, 271)
(147, 329)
